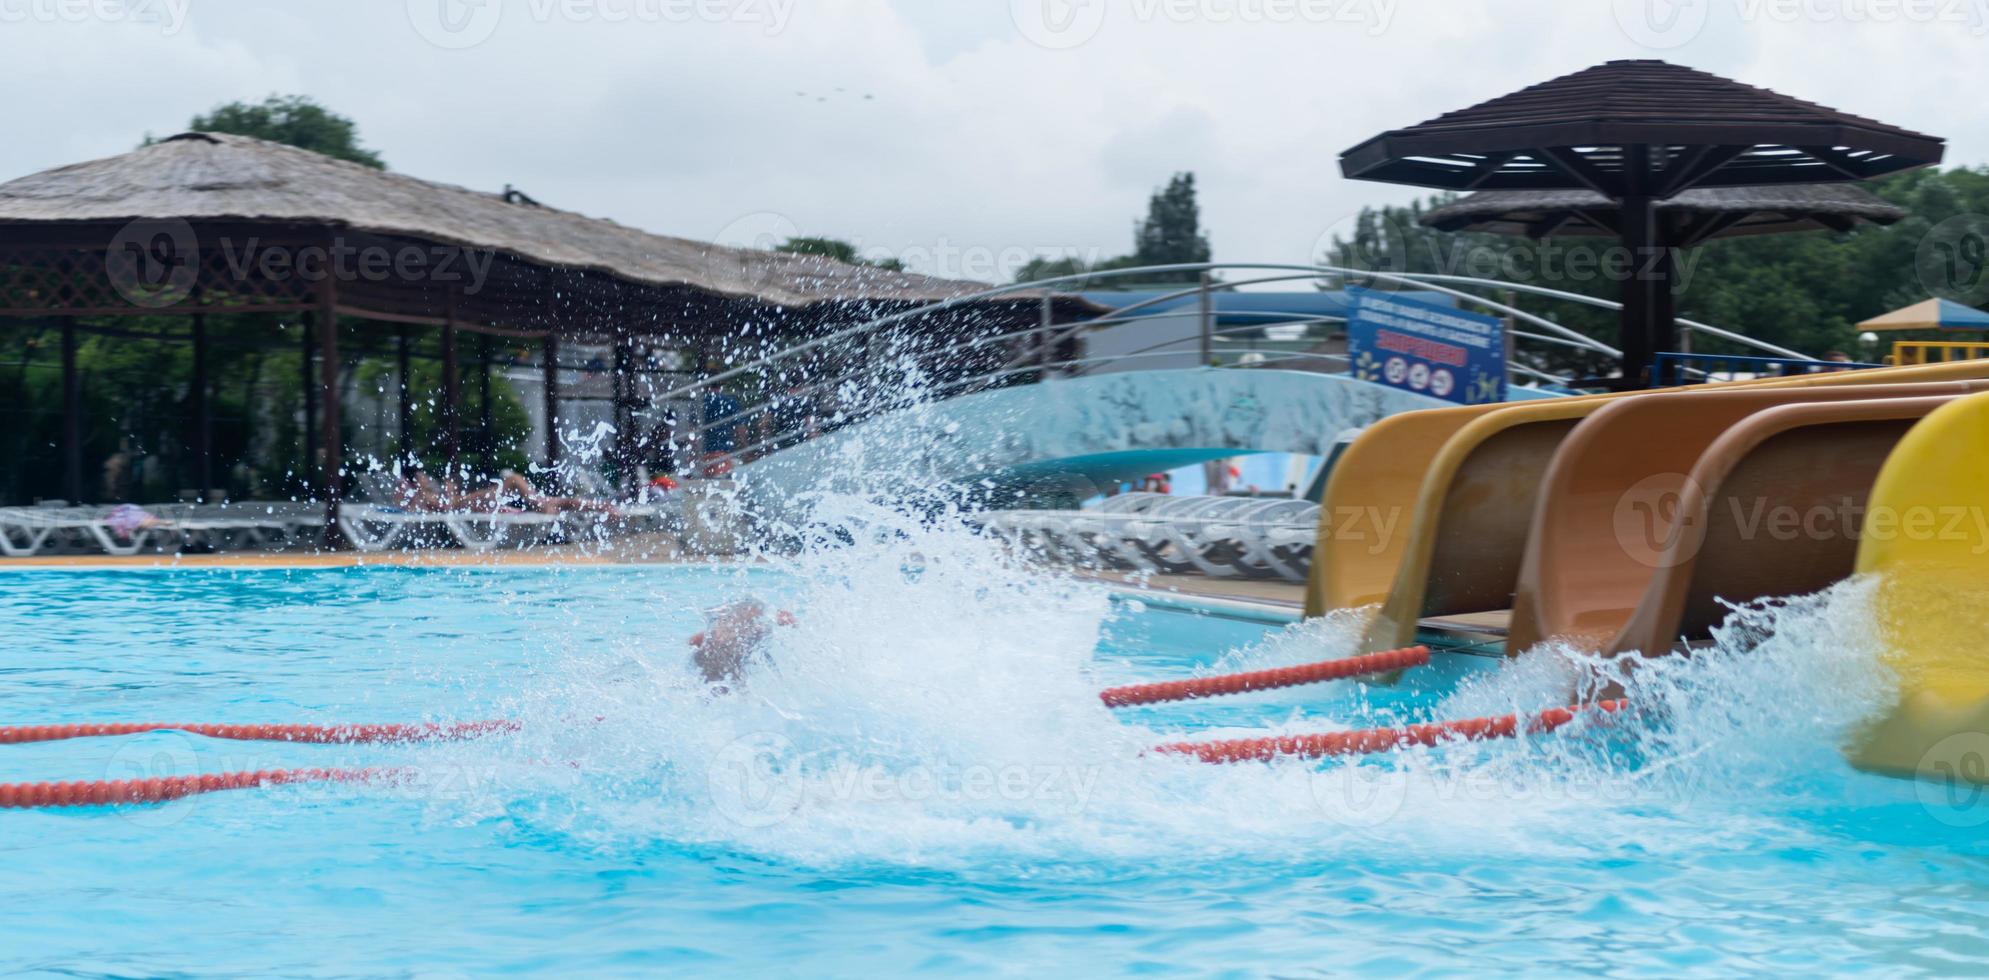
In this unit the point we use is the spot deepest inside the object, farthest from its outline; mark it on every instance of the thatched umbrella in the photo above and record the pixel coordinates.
(1638, 133)
(1692, 218)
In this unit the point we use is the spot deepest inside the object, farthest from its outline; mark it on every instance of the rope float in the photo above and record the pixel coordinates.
(111, 792)
(162, 789)
(1265, 680)
(1371, 740)
(312, 734)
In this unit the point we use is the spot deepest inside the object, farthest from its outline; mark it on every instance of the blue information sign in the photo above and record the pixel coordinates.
(1426, 348)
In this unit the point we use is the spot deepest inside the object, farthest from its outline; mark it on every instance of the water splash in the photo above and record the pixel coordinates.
(936, 707)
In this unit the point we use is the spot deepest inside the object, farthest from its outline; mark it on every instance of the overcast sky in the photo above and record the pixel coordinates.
(958, 134)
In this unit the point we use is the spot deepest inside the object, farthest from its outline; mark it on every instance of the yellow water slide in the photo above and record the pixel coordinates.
(1927, 542)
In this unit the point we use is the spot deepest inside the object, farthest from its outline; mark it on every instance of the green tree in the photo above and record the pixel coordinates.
(837, 249)
(295, 120)
(1172, 232)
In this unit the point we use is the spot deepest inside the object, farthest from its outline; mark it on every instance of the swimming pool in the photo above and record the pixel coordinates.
(925, 782)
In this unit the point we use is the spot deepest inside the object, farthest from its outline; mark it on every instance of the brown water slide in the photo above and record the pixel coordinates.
(1655, 512)
(1386, 499)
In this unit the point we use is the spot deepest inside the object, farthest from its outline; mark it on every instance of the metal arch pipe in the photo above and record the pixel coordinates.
(1314, 271)
(1116, 317)
(1606, 304)
(993, 375)
(1574, 337)
(1111, 319)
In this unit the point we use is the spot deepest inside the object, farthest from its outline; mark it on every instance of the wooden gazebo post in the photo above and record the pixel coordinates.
(334, 448)
(485, 444)
(309, 380)
(451, 434)
(624, 411)
(72, 415)
(549, 369)
(404, 423)
(203, 469)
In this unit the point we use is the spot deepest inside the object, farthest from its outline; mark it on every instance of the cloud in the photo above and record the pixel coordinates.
(912, 126)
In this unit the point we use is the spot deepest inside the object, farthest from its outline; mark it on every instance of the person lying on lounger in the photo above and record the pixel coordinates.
(422, 492)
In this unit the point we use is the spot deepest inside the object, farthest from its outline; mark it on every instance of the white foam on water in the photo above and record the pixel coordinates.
(936, 706)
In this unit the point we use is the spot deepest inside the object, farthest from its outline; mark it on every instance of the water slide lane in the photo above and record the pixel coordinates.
(1386, 505)
(1932, 564)
(1634, 498)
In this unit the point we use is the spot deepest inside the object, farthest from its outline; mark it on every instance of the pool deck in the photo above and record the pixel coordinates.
(647, 549)
(1255, 599)
(1263, 600)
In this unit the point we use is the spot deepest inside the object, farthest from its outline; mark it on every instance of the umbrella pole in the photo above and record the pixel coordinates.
(1647, 325)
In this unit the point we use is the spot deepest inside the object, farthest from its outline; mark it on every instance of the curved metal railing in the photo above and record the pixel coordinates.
(1042, 338)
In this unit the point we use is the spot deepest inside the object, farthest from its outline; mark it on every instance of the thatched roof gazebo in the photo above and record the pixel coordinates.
(204, 223)
(1638, 133)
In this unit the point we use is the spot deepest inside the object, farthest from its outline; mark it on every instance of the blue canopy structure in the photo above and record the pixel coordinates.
(1930, 314)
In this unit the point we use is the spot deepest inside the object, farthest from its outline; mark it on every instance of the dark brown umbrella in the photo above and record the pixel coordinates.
(1637, 133)
(1692, 218)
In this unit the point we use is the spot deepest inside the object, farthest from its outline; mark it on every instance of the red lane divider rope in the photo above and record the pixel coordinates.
(316, 734)
(1370, 740)
(1265, 680)
(111, 792)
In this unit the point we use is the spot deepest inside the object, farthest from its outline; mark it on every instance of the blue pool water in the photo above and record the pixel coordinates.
(925, 782)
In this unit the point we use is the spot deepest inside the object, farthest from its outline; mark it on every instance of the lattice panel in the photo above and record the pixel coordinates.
(159, 276)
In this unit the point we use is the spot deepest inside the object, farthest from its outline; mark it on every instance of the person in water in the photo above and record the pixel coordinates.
(733, 632)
